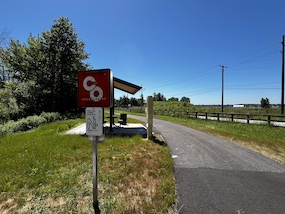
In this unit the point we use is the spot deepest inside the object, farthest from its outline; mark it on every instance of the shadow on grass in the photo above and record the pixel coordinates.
(158, 139)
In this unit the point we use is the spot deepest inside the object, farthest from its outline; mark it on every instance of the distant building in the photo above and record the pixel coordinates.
(238, 106)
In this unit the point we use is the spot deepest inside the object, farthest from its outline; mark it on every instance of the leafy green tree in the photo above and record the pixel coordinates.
(14, 58)
(27, 96)
(158, 97)
(264, 103)
(8, 103)
(4, 35)
(134, 102)
(51, 61)
(185, 100)
(173, 99)
(64, 56)
(141, 100)
(124, 101)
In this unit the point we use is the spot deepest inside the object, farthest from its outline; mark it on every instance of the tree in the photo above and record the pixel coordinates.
(24, 62)
(64, 55)
(158, 97)
(141, 100)
(8, 103)
(4, 35)
(173, 99)
(124, 101)
(4, 76)
(134, 102)
(264, 103)
(51, 61)
(185, 100)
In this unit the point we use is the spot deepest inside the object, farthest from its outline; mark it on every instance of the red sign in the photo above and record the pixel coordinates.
(95, 88)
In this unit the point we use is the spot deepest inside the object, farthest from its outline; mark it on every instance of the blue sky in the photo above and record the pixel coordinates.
(174, 47)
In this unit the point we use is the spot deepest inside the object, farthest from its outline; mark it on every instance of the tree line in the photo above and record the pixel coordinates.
(129, 102)
(41, 74)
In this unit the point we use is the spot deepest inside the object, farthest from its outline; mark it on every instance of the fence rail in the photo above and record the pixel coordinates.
(276, 120)
(232, 117)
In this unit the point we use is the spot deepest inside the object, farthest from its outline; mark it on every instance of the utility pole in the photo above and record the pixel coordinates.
(282, 87)
(223, 68)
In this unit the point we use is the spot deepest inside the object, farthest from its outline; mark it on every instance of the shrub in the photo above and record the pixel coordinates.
(2, 132)
(51, 116)
(28, 123)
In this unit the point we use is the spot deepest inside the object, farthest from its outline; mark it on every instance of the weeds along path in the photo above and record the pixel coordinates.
(217, 176)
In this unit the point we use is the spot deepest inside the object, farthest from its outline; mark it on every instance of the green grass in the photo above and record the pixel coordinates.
(44, 171)
(183, 107)
(265, 139)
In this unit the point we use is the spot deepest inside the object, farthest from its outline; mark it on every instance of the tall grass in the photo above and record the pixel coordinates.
(45, 171)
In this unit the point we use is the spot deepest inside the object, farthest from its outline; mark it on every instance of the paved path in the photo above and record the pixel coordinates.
(216, 176)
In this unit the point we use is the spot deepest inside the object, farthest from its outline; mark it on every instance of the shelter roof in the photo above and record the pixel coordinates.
(125, 86)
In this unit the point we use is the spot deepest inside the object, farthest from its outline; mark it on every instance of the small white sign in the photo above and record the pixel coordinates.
(94, 121)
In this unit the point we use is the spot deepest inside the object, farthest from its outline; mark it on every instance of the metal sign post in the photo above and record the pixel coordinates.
(95, 90)
(94, 129)
(95, 175)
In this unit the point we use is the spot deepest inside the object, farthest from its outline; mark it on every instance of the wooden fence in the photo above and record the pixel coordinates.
(223, 116)
(278, 120)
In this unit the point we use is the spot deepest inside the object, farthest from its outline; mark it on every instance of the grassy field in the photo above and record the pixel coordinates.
(180, 106)
(45, 171)
(265, 139)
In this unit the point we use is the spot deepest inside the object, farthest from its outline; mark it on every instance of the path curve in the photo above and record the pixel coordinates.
(214, 175)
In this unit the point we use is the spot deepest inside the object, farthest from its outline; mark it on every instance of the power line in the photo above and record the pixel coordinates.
(253, 88)
(194, 93)
(254, 59)
(243, 69)
(196, 77)
(267, 83)
(184, 79)
(254, 52)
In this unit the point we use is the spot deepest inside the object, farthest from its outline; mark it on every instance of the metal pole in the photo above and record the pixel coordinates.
(95, 175)
(282, 79)
(223, 86)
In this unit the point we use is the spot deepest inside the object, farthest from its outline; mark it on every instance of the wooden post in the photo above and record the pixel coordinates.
(149, 117)
(269, 119)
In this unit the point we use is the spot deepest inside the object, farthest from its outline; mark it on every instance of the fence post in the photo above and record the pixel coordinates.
(269, 119)
(149, 117)
(218, 116)
(248, 119)
(232, 117)
(206, 115)
(196, 114)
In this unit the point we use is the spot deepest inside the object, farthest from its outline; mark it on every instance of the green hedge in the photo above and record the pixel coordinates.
(28, 123)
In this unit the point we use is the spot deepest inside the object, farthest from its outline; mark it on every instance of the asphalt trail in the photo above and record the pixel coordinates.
(217, 176)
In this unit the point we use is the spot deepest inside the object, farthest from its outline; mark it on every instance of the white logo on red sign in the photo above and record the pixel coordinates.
(96, 93)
